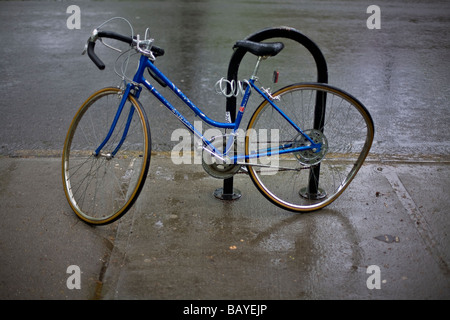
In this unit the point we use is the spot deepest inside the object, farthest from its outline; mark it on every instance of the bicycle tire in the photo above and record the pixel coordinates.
(101, 189)
(306, 181)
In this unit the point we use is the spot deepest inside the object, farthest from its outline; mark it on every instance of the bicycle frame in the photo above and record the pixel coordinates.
(139, 79)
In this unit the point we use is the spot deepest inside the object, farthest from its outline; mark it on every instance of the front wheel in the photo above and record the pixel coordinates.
(310, 179)
(102, 186)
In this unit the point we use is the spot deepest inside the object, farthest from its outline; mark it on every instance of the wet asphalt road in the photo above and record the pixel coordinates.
(398, 71)
(175, 248)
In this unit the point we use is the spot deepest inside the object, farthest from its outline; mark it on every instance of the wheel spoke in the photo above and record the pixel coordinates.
(102, 188)
(345, 139)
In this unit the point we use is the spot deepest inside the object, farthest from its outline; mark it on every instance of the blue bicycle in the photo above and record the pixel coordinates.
(302, 147)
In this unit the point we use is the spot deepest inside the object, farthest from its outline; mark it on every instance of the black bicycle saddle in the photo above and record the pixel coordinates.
(260, 49)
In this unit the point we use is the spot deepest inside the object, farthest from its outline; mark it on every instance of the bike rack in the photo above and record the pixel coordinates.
(228, 192)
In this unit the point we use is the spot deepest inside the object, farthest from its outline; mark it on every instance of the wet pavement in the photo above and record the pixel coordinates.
(180, 244)
(179, 241)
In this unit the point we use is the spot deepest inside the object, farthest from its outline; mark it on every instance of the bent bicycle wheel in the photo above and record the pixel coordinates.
(102, 187)
(310, 179)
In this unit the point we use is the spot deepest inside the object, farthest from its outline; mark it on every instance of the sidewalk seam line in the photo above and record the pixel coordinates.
(416, 216)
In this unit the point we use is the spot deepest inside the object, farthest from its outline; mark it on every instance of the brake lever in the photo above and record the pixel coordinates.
(92, 38)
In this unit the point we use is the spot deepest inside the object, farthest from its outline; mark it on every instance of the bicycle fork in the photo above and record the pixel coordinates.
(125, 94)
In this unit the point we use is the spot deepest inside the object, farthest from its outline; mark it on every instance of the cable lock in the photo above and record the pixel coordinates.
(233, 87)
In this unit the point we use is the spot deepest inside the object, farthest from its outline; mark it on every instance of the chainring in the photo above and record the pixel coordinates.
(215, 166)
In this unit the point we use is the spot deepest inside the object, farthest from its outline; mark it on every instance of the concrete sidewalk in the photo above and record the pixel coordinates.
(179, 242)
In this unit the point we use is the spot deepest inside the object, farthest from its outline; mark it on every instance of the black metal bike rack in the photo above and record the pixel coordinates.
(228, 192)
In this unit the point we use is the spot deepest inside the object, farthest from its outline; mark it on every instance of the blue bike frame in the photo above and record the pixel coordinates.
(139, 78)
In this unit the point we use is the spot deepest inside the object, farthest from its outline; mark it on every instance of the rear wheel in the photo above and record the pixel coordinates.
(310, 179)
(101, 188)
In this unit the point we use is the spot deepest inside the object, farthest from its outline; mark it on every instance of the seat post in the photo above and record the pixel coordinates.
(254, 77)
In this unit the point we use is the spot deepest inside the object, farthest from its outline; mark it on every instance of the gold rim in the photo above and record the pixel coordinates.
(364, 152)
(97, 95)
